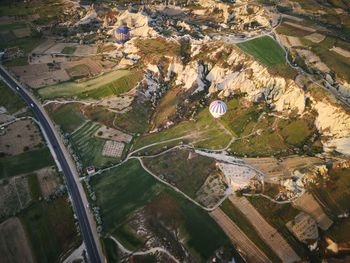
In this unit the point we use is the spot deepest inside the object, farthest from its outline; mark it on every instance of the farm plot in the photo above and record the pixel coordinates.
(25, 162)
(187, 171)
(112, 83)
(19, 137)
(15, 195)
(9, 100)
(50, 228)
(119, 197)
(14, 245)
(48, 181)
(265, 50)
(39, 75)
(88, 147)
(68, 116)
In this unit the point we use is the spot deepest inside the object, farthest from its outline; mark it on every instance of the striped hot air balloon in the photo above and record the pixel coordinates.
(217, 108)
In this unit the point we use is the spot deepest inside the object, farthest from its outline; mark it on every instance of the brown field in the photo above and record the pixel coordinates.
(14, 245)
(272, 167)
(250, 251)
(269, 234)
(302, 27)
(48, 180)
(316, 37)
(39, 75)
(112, 134)
(309, 204)
(20, 136)
(14, 195)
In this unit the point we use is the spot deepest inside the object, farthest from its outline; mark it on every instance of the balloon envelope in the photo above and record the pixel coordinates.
(217, 108)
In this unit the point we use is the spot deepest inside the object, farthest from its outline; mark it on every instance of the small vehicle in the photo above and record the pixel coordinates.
(17, 88)
(32, 105)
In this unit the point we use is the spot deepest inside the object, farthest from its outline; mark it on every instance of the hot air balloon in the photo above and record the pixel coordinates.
(217, 108)
(122, 34)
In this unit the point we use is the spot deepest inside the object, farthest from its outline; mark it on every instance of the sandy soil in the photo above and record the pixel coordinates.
(290, 41)
(341, 51)
(313, 60)
(19, 135)
(251, 252)
(48, 180)
(39, 75)
(309, 204)
(302, 27)
(14, 245)
(315, 37)
(113, 134)
(272, 167)
(85, 50)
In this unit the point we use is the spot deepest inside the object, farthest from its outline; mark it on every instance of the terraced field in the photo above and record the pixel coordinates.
(88, 147)
(112, 83)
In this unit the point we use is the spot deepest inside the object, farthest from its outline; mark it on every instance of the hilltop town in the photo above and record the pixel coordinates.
(126, 87)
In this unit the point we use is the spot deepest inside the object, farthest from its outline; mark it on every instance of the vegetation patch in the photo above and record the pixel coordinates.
(137, 119)
(112, 83)
(25, 162)
(182, 168)
(203, 132)
(68, 117)
(68, 50)
(122, 191)
(264, 49)
(111, 250)
(51, 229)
(9, 99)
(89, 148)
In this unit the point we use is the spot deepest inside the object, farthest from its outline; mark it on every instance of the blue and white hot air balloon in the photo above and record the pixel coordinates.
(122, 34)
(217, 108)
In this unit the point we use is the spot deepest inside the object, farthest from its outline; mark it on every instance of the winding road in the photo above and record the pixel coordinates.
(72, 183)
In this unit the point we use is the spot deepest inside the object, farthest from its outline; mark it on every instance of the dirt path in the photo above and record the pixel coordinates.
(251, 252)
(269, 234)
(142, 253)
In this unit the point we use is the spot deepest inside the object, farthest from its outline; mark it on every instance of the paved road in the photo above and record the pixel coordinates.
(72, 186)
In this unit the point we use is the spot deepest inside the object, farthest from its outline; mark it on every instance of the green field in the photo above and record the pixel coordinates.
(9, 99)
(25, 163)
(204, 132)
(68, 50)
(127, 188)
(68, 117)
(111, 250)
(264, 49)
(51, 229)
(335, 193)
(112, 83)
(88, 147)
(137, 119)
(296, 132)
(187, 175)
(244, 224)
